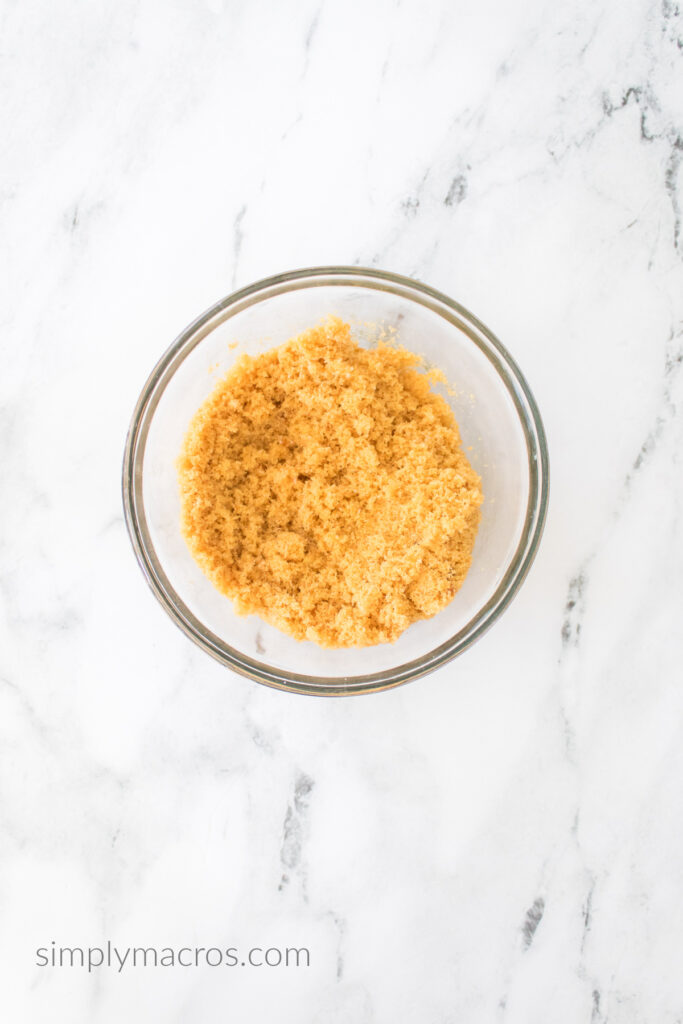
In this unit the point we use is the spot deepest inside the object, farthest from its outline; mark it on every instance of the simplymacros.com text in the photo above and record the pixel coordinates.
(112, 956)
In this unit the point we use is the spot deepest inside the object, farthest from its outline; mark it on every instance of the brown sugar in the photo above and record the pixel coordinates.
(324, 488)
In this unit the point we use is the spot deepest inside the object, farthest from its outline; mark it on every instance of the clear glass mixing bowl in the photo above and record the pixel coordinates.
(501, 429)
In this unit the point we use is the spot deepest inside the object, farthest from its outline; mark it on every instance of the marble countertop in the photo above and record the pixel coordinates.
(503, 840)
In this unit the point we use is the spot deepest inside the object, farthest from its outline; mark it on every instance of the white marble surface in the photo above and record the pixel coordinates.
(501, 841)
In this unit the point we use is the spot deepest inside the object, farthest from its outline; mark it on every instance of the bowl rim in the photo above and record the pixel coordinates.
(510, 375)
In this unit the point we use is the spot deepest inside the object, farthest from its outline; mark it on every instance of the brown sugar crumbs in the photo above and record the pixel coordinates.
(324, 488)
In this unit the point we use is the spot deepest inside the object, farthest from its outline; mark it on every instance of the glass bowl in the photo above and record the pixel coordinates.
(501, 430)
